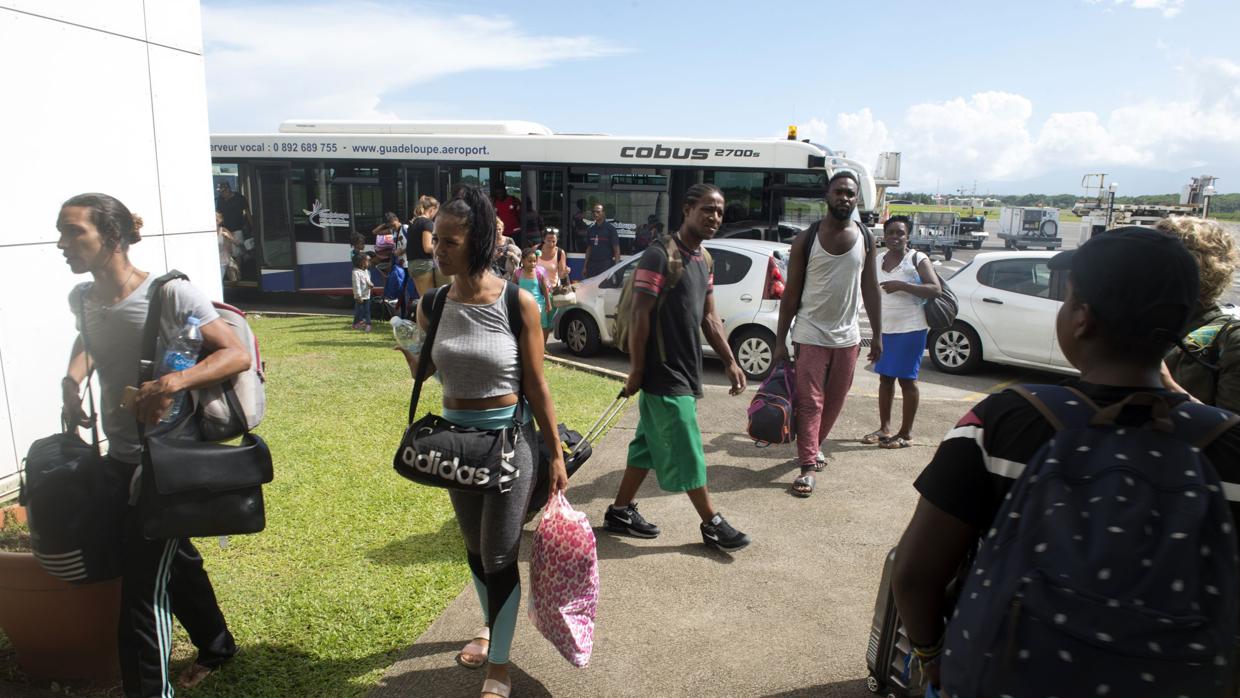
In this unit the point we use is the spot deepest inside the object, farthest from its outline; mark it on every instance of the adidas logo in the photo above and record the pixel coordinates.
(433, 463)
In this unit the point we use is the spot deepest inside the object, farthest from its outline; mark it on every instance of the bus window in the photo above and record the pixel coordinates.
(798, 212)
(635, 202)
(225, 173)
(743, 193)
(357, 197)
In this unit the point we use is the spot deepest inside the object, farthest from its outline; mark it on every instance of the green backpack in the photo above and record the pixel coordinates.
(624, 309)
(1195, 366)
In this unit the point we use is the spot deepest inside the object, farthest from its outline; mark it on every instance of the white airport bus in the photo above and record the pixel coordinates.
(313, 184)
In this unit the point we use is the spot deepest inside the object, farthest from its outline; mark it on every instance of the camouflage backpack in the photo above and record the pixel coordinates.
(624, 309)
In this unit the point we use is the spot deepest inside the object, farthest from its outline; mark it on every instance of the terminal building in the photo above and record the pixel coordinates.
(120, 108)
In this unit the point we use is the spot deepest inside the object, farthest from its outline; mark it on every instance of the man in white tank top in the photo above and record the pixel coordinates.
(830, 273)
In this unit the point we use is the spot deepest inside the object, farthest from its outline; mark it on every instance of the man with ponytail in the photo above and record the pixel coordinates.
(161, 577)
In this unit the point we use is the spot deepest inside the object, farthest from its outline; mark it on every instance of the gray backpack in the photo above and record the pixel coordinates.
(217, 420)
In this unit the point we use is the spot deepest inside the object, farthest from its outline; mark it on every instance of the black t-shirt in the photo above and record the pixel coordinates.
(413, 246)
(979, 460)
(233, 209)
(601, 239)
(674, 349)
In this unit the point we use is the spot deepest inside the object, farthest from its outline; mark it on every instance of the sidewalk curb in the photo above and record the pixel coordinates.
(586, 368)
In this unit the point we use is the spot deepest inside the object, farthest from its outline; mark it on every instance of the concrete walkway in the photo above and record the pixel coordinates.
(788, 616)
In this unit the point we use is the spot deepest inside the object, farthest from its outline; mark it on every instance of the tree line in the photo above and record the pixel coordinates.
(1221, 203)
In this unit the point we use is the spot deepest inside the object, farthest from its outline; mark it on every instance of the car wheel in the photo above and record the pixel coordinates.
(956, 349)
(977, 244)
(754, 350)
(581, 334)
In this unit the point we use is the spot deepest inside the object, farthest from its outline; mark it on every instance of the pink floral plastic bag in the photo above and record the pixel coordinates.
(564, 580)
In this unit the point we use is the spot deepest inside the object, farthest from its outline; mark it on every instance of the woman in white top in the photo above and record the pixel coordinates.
(907, 279)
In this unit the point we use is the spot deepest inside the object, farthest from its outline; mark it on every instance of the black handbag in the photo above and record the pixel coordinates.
(436, 452)
(192, 488)
(942, 309)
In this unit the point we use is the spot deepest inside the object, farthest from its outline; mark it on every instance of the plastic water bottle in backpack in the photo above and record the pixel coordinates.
(181, 354)
(409, 336)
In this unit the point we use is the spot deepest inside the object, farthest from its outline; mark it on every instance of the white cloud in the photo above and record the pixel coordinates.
(991, 137)
(1168, 8)
(266, 64)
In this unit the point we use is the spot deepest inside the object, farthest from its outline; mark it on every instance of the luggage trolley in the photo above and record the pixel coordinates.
(935, 230)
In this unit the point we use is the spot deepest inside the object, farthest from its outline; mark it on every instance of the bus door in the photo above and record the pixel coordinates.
(419, 181)
(542, 196)
(273, 254)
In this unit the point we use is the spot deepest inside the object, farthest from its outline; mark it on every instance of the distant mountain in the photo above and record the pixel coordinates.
(1132, 181)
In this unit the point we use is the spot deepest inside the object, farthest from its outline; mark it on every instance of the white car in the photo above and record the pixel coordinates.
(1008, 303)
(749, 281)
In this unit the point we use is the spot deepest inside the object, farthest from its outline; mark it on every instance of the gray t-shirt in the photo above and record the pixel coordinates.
(114, 334)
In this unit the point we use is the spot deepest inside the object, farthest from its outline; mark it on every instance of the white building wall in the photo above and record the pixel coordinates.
(98, 95)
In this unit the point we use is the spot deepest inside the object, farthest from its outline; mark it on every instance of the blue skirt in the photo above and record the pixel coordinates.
(902, 355)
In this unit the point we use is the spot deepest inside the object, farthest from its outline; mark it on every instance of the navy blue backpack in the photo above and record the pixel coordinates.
(1111, 568)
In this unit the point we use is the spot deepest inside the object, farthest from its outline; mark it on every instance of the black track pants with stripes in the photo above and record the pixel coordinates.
(164, 578)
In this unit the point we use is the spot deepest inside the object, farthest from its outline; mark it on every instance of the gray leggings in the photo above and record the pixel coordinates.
(492, 523)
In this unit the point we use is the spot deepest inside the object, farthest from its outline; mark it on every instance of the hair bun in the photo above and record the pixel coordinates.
(136, 236)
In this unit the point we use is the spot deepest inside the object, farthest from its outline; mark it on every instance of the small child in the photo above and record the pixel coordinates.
(359, 246)
(533, 278)
(362, 285)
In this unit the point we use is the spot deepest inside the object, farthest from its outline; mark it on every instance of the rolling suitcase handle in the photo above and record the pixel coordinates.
(605, 420)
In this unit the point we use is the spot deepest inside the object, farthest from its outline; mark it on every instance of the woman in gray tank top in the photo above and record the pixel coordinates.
(484, 369)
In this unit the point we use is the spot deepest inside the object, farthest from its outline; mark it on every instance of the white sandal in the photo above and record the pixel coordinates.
(503, 690)
(475, 648)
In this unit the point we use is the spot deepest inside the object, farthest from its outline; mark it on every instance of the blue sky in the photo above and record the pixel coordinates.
(1014, 95)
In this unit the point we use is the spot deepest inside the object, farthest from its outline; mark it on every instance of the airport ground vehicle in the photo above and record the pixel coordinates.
(972, 232)
(312, 184)
(1022, 227)
(749, 282)
(1099, 212)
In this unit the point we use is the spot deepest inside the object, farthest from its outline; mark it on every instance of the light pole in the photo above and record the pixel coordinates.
(1206, 194)
(1111, 205)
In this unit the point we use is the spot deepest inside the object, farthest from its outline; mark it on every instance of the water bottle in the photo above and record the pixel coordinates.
(181, 354)
(408, 335)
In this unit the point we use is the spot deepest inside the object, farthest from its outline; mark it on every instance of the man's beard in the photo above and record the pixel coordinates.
(840, 213)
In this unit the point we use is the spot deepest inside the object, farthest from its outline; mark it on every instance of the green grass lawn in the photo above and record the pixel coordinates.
(356, 562)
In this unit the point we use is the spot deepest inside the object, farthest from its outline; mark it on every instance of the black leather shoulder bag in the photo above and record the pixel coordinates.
(437, 452)
(191, 488)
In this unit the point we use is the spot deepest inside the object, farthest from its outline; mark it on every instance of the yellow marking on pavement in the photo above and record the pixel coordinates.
(1001, 385)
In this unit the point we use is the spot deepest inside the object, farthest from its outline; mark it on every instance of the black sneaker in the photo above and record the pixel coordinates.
(720, 534)
(629, 522)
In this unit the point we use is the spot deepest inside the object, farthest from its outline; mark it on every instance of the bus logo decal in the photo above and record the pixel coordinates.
(324, 217)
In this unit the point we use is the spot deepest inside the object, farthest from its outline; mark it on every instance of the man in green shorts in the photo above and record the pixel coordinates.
(666, 366)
